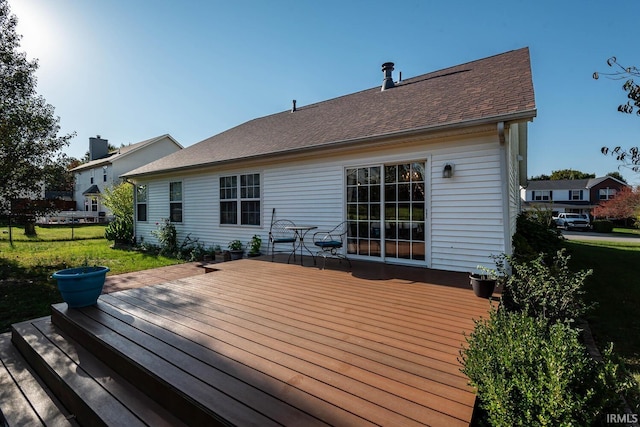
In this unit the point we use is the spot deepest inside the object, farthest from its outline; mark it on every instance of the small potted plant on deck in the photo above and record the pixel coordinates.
(483, 283)
(81, 286)
(235, 249)
(254, 246)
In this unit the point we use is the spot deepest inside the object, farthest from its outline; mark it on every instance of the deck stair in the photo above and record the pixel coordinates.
(73, 386)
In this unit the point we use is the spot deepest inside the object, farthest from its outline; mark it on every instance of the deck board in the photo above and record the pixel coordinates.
(25, 401)
(300, 345)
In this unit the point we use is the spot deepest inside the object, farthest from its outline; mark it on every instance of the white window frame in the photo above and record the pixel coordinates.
(236, 191)
(542, 195)
(607, 193)
(575, 194)
(142, 189)
(175, 200)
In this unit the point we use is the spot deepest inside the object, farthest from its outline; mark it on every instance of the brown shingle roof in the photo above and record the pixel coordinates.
(489, 89)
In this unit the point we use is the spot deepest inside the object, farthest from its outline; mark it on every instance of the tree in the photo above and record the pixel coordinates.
(626, 204)
(617, 176)
(28, 128)
(628, 157)
(119, 199)
(57, 175)
(563, 174)
(570, 174)
(541, 177)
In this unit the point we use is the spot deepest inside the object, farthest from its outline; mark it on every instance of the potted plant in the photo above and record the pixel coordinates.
(483, 283)
(235, 248)
(81, 286)
(209, 255)
(254, 246)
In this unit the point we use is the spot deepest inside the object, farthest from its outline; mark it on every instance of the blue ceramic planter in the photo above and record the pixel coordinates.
(81, 287)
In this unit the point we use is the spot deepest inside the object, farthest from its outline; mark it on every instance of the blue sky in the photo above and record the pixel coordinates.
(131, 70)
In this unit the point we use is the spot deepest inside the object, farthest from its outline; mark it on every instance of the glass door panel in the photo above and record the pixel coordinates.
(386, 211)
(363, 211)
(405, 211)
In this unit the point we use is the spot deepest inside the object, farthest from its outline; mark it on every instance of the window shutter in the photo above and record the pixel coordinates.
(533, 195)
(581, 195)
(550, 195)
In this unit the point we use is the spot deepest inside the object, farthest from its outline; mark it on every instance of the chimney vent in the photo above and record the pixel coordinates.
(293, 106)
(387, 69)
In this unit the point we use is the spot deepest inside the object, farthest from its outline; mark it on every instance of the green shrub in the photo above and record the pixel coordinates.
(602, 226)
(167, 238)
(119, 230)
(528, 373)
(536, 233)
(547, 289)
(191, 249)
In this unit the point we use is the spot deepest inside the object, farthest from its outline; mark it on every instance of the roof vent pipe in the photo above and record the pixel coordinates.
(293, 106)
(387, 68)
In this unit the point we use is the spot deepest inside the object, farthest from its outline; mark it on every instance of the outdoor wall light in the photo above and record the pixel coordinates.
(447, 171)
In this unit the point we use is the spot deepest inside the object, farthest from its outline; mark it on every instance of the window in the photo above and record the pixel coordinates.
(175, 201)
(542, 195)
(240, 199)
(575, 195)
(141, 202)
(94, 204)
(104, 174)
(92, 175)
(607, 193)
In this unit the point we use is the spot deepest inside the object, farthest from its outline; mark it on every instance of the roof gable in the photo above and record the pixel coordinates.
(121, 152)
(595, 181)
(492, 89)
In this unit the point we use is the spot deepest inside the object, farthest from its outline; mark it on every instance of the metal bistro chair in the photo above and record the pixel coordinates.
(278, 234)
(330, 243)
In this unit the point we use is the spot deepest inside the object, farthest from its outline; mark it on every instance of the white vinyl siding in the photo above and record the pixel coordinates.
(467, 220)
(464, 225)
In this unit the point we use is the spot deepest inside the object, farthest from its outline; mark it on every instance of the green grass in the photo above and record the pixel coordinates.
(615, 288)
(26, 287)
(631, 231)
(54, 233)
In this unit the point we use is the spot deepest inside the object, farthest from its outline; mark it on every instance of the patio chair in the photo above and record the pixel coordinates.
(278, 235)
(331, 242)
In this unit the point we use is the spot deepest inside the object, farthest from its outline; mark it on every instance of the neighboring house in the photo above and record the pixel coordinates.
(570, 195)
(104, 169)
(426, 170)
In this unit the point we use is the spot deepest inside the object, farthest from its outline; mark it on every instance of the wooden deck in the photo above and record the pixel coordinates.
(261, 343)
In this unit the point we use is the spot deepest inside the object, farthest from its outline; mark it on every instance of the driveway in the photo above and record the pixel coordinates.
(608, 237)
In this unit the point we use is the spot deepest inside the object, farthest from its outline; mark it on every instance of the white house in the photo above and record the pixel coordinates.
(105, 168)
(570, 195)
(426, 170)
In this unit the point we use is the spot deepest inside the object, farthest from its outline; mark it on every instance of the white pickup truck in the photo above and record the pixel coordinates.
(573, 220)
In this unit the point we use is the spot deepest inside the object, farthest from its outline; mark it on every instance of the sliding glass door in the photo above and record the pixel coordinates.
(386, 211)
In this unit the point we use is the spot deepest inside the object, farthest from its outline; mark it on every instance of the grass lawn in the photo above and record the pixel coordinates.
(615, 287)
(26, 287)
(630, 231)
(54, 233)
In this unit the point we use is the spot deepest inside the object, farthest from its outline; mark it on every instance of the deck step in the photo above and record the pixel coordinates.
(89, 389)
(196, 391)
(24, 398)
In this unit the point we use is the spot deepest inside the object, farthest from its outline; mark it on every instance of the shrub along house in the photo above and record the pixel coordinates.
(427, 170)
